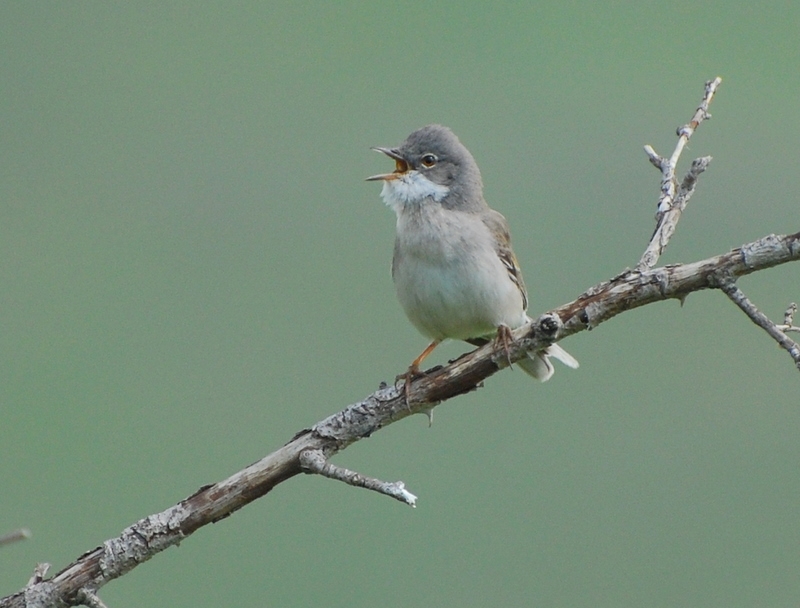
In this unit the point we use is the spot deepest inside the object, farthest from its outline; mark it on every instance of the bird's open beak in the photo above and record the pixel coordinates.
(401, 166)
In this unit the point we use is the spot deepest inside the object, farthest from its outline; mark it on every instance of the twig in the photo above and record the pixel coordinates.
(690, 181)
(39, 572)
(729, 287)
(15, 536)
(788, 319)
(673, 200)
(313, 461)
(38, 592)
(90, 599)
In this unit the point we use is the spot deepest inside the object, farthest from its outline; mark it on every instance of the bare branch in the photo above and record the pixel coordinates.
(311, 449)
(729, 287)
(313, 461)
(687, 130)
(632, 289)
(672, 200)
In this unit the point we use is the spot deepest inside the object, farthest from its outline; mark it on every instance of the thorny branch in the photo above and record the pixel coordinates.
(311, 449)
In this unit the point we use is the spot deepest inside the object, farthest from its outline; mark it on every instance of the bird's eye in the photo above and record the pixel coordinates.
(428, 160)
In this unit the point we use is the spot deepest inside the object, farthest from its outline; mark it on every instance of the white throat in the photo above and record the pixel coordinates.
(411, 188)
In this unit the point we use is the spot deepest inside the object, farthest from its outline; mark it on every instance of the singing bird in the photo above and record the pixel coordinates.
(455, 273)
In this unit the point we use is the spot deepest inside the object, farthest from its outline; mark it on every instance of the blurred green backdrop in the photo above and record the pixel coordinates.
(193, 269)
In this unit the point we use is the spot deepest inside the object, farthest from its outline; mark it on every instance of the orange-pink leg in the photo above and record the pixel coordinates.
(413, 369)
(424, 355)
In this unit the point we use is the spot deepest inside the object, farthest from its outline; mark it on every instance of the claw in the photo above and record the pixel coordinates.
(408, 378)
(504, 339)
(413, 370)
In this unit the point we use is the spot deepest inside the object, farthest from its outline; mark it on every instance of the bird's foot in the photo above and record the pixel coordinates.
(407, 378)
(413, 370)
(504, 339)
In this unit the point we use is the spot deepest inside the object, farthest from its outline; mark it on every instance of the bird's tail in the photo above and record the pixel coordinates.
(538, 364)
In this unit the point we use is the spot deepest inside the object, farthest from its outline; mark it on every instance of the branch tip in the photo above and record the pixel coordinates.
(788, 315)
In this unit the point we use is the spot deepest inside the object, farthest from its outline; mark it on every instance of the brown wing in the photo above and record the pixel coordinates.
(499, 227)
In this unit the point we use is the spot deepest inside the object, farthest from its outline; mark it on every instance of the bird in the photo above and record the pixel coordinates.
(454, 271)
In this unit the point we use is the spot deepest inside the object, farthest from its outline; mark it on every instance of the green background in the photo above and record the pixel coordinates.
(192, 269)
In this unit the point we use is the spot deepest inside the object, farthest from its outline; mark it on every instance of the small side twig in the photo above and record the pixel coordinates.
(690, 181)
(15, 536)
(90, 599)
(39, 572)
(729, 287)
(788, 319)
(673, 199)
(313, 461)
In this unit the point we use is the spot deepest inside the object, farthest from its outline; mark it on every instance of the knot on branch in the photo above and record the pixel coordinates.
(548, 326)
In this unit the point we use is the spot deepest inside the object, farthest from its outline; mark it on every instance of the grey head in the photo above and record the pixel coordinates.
(432, 166)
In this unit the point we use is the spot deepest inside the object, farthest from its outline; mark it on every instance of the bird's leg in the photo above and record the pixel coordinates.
(413, 369)
(504, 339)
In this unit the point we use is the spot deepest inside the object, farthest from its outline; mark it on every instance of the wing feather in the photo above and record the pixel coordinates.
(499, 227)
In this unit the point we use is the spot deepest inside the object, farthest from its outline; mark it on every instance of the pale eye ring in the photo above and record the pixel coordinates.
(428, 160)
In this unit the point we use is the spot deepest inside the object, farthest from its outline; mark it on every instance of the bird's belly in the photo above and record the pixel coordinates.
(458, 300)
